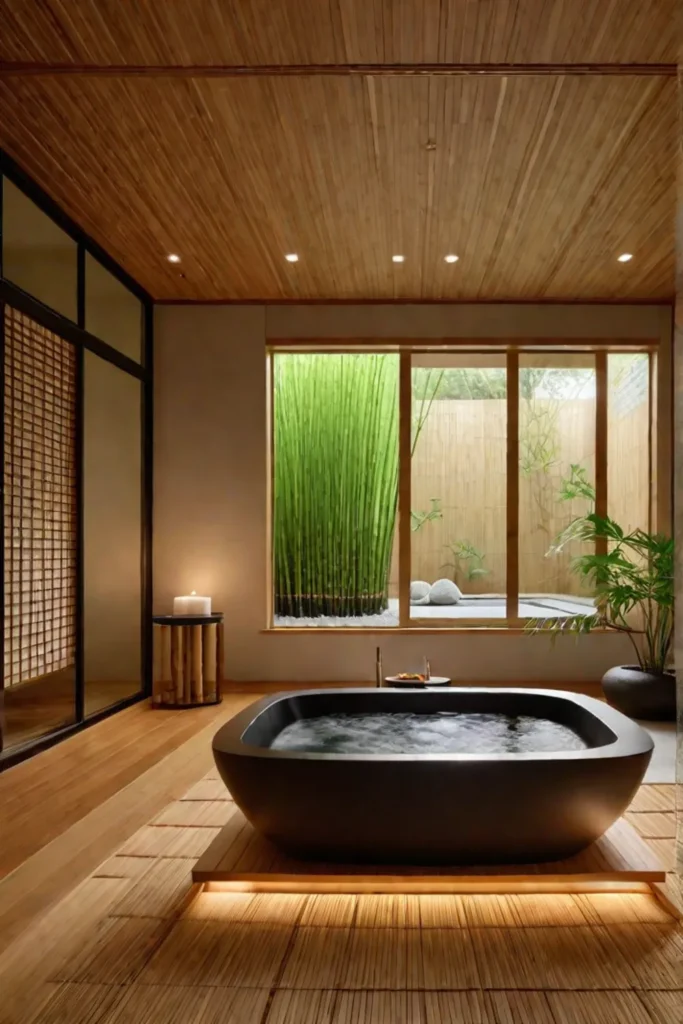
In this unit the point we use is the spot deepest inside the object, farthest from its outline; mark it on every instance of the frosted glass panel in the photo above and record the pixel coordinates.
(112, 313)
(37, 255)
(112, 500)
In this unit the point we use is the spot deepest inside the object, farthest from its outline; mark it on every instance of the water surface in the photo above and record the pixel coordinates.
(440, 733)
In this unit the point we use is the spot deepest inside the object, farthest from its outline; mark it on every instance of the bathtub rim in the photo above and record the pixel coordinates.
(630, 739)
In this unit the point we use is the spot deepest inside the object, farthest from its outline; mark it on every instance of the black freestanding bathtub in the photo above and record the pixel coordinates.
(426, 806)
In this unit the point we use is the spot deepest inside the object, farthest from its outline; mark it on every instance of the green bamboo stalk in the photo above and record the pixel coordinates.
(335, 482)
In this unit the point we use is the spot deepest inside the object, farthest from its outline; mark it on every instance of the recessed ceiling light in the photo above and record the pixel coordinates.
(451, 258)
(625, 257)
(292, 257)
(398, 259)
(173, 257)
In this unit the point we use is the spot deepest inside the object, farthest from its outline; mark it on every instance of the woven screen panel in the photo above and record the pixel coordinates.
(40, 508)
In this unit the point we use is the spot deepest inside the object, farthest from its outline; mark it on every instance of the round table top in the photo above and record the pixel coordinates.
(187, 620)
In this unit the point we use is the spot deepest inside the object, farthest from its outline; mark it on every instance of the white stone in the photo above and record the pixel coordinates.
(419, 592)
(444, 592)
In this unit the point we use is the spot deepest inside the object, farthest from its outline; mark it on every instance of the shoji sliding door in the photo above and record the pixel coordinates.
(40, 535)
(75, 414)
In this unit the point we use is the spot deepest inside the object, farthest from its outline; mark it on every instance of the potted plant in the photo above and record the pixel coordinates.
(633, 580)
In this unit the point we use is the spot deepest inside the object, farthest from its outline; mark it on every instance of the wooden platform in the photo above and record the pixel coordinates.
(239, 859)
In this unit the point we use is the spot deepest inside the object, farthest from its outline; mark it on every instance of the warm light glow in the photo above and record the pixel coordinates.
(451, 258)
(193, 593)
(625, 257)
(292, 257)
(173, 257)
(489, 885)
(398, 259)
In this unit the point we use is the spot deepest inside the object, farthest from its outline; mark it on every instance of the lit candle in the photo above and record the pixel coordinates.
(192, 605)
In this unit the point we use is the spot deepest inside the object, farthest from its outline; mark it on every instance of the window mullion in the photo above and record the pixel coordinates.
(512, 488)
(601, 443)
(405, 405)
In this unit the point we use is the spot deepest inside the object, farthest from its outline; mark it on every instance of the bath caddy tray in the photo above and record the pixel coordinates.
(415, 684)
(240, 859)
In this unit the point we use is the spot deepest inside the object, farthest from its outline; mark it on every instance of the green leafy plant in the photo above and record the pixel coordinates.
(335, 482)
(542, 393)
(467, 559)
(426, 386)
(419, 518)
(577, 485)
(633, 578)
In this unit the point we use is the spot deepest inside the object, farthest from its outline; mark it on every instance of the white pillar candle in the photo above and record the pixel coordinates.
(192, 605)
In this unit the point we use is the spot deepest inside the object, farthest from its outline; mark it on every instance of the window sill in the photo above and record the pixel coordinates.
(388, 630)
(513, 630)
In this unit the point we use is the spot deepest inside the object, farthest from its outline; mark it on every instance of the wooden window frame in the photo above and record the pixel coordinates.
(659, 447)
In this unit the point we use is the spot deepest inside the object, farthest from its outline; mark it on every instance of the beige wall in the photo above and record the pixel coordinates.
(210, 482)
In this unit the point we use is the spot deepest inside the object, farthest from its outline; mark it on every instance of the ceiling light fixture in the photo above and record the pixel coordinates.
(451, 258)
(173, 257)
(625, 257)
(398, 259)
(292, 257)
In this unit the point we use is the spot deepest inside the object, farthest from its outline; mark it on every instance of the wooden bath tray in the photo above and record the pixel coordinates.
(242, 860)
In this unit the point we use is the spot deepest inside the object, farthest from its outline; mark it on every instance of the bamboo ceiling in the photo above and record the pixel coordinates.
(537, 182)
(338, 31)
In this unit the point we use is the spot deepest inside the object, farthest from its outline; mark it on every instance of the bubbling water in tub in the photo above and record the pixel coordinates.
(440, 733)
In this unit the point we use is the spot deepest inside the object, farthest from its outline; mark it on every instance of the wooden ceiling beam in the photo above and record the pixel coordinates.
(30, 68)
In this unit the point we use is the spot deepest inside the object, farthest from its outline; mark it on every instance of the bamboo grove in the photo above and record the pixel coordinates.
(335, 482)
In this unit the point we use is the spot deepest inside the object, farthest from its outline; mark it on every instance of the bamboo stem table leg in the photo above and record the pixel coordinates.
(188, 662)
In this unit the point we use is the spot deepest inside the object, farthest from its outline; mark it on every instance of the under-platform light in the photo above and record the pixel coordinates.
(625, 257)
(451, 258)
(398, 259)
(173, 257)
(292, 257)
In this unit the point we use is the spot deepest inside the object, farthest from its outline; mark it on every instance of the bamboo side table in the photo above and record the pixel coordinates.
(188, 660)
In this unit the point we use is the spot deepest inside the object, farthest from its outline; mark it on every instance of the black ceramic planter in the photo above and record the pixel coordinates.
(641, 694)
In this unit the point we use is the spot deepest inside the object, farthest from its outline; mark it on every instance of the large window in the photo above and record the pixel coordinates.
(429, 489)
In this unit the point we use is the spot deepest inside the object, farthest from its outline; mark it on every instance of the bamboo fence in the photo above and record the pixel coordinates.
(461, 460)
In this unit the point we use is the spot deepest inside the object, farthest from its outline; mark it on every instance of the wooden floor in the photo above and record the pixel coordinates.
(37, 708)
(42, 797)
(121, 936)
